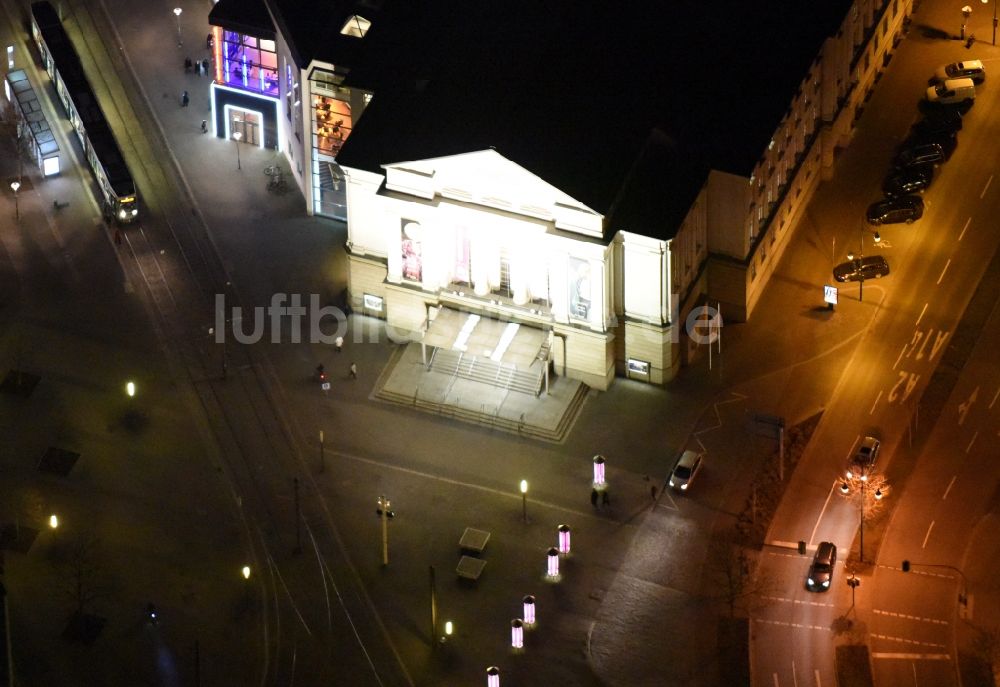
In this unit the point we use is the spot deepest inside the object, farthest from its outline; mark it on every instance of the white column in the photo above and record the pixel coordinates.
(391, 228)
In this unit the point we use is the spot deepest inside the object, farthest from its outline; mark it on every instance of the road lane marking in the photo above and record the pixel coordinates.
(963, 408)
(904, 640)
(796, 625)
(899, 357)
(775, 679)
(950, 484)
(944, 270)
(994, 398)
(796, 601)
(795, 679)
(819, 683)
(872, 411)
(967, 448)
(988, 182)
(907, 616)
(921, 315)
(912, 657)
(927, 536)
(826, 503)
(964, 228)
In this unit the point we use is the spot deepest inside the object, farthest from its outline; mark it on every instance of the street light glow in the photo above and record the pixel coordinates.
(130, 389)
(14, 185)
(53, 521)
(246, 572)
(524, 486)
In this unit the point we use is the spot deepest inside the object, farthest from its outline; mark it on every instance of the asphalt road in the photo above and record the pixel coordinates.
(936, 264)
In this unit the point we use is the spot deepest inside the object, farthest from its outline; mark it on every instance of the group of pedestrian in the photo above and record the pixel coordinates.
(605, 498)
(199, 67)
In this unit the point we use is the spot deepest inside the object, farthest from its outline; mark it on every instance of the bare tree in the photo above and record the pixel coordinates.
(733, 572)
(82, 580)
(986, 646)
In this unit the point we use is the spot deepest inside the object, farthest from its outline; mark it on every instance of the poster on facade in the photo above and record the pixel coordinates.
(579, 288)
(462, 268)
(412, 250)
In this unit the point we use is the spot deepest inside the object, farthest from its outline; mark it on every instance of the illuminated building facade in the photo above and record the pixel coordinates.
(281, 80)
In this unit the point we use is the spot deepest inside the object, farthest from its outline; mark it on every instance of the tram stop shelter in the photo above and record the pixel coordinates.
(33, 128)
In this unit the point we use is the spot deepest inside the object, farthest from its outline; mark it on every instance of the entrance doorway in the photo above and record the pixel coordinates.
(247, 123)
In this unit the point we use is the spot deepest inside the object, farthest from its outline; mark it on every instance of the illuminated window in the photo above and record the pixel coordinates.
(356, 26)
(249, 64)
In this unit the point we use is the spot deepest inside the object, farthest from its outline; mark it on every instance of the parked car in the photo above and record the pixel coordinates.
(868, 267)
(821, 571)
(907, 180)
(919, 154)
(952, 92)
(971, 69)
(863, 459)
(947, 141)
(685, 470)
(939, 120)
(895, 210)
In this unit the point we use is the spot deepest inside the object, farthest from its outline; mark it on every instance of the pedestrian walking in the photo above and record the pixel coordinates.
(605, 499)
(354, 371)
(338, 344)
(209, 40)
(187, 65)
(652, 492)
(204, 126)
(184, 99)
(593, 498)
(204, 66)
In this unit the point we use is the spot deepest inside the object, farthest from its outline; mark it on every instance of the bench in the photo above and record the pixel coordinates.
(473, 540)
(470, 567)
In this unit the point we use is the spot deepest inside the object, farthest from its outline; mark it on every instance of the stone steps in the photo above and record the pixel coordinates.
(486, 371)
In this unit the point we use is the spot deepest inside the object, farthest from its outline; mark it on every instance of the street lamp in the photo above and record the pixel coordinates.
(14, 185)
(846, 489)
(53, 521)
(860, 264)
(237, 135)
(246, 572)
(524, 499)
(177, 13)
(994, 20)
(130, 389)
(384, 512)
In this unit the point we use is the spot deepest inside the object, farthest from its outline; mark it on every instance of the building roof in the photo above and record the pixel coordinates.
(572, 91)
(312, 29)
(244, 16)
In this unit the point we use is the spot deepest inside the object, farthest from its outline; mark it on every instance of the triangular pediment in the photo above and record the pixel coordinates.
(485, 177)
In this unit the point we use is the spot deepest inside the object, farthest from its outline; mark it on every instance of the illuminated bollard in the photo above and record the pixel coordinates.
(598, 470)
(492, 677)
(529, 610)
(553, 562)
(517, 633)
(563, 538)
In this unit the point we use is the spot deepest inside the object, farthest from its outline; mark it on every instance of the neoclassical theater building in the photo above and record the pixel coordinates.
(583, 174)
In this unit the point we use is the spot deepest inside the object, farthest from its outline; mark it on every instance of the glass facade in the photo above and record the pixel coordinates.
(332, 122)
(248, 63)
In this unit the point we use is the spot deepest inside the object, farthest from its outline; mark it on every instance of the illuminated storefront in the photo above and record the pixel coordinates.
(245, 92)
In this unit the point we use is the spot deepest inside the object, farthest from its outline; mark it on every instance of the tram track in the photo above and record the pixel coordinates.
(180, 271)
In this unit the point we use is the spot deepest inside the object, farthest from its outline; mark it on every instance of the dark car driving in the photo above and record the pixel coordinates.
(895, 210)
(908, 180)
(821, 571)
(868, 267)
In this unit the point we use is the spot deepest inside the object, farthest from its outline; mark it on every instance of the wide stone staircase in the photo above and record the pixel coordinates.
(482, 369)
